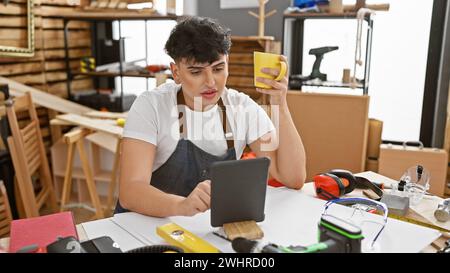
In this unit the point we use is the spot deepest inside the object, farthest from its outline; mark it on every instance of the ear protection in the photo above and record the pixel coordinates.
(336, 183)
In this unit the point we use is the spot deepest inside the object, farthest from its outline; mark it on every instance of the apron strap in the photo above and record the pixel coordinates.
(181, 103)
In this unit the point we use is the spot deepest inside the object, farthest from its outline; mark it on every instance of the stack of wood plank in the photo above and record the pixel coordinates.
(373, 144)
(46, 70)
(241, 62)
(96, 5)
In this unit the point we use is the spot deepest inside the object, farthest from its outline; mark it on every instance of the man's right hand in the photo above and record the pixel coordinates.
(198, 201)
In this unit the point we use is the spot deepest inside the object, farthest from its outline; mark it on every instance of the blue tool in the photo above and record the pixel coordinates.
(309, 3)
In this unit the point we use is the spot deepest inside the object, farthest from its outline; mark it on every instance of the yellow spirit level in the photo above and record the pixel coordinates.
(190, 243)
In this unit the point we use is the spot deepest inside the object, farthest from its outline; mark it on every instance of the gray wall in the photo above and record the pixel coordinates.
(190, 7)
(240, 22)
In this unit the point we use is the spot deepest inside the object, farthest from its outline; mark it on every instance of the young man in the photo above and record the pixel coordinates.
(171, 147)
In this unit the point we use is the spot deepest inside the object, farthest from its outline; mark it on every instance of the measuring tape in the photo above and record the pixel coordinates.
(417, 222)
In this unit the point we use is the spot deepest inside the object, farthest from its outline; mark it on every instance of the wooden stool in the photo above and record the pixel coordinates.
(72, 139)
(111, 143)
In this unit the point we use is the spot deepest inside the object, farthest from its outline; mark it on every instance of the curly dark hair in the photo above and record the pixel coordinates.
(199, 39)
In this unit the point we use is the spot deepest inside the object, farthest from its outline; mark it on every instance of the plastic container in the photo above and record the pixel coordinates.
(417, 183)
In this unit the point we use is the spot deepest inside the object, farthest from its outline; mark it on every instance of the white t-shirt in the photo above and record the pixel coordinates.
(153, 118)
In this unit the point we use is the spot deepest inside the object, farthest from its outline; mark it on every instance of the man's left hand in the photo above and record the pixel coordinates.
(279, 88)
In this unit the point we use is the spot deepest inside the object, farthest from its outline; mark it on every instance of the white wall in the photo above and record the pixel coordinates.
(399, 59)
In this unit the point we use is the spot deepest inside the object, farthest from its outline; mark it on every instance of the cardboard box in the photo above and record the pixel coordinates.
(394, 160)
(372, 165)
(333, 129)
(374, 138)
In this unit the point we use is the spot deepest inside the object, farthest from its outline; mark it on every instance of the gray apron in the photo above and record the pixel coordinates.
(188, 165)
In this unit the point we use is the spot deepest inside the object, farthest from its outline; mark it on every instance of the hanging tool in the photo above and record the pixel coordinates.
(358, 60)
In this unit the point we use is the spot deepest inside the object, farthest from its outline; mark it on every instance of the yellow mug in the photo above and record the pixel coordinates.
(269, 60)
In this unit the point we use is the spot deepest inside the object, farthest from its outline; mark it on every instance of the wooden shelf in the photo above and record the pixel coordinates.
(331, 84)
(103, 175)
(318, 15)
(241, 63)
(77, 173)
(109, 16)
(251, 38)
(294, 28)
(112, 16)
(124, 74)
(350, 11)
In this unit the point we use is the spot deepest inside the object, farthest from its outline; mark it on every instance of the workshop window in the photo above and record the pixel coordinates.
(133, 32)
(398, 66)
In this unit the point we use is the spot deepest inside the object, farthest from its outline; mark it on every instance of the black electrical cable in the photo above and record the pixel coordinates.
(156, 249)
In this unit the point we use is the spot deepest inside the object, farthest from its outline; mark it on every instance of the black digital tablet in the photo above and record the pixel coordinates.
(238, 190)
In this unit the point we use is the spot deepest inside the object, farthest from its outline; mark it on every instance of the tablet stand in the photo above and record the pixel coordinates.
(246, 229)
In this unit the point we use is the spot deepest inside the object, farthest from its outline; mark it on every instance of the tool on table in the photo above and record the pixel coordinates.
(335, 236)
(336, 183)
(417, 222)
(189, 242)
(157, 249)
(442, 213)
(398, 205)
(297, 80)
(446, 248)
(414, 184)
(70, 244)
(103, 244)
(380, 207)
